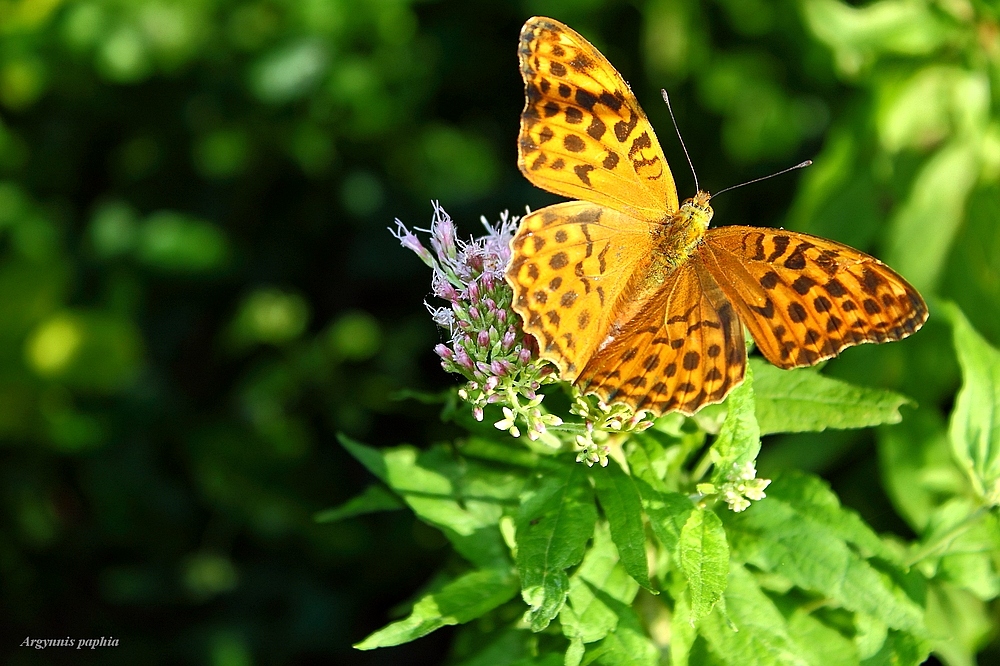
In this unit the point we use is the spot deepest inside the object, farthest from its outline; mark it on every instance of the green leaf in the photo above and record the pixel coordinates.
(821, 645)
(751, 631)
(372, 499)
(704, 559)
(667, 512)
(628, 644)
(585, 616)
(503, 647)
(554, 523)
(900, 649)
(801, 534)
(933, 212)
(461, 600)
(623, 507)
(463, 499)
(965, 537)
(918, 469)
(682, 629)
(975, 421)
(805, 401)
(738, 441)
(960, 623)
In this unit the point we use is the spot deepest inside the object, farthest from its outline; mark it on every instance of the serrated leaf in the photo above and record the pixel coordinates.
(806, 543)
(738, 441)
(751, 631)
(461, 600)
(805, 401)
(372, 499)
(975, 421)
(465, 500)
(554, 523)
(585, 616)
(704, 559)
(667, 512)
(623, 507)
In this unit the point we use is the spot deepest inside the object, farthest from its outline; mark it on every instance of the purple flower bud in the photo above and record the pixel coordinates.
(491, 306)
(473, 312)
(498, 368)
(508, 340)
(484, 367)
(443, 234)
(444, 352)
(524, 356)
(443, 288)
(472, 293)
(484, 338)
(530, 395)
(462, 324)
(496, 397)
(462, 359)
(488, 281)
(478, 413)
(408, 240)
(502, 316)
(491, 384)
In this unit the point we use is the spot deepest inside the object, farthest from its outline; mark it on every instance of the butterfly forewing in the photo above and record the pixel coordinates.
(805, 298)
(571, 263)
(583, 134)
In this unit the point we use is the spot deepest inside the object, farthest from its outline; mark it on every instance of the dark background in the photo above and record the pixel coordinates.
(198, 289)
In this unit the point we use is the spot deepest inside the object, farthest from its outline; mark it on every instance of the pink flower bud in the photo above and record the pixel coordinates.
(472, 293)
(508, 340)
(477, 412)
(462, 359)
(498, 368)
(524, 356)
(483, 338)
(444, 352)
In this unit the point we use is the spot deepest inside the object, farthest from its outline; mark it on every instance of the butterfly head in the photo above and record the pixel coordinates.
(694, 217)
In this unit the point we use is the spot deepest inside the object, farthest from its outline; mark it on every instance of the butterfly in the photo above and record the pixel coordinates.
(628, 291)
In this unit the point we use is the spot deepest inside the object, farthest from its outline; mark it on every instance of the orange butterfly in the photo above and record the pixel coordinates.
(628, 292)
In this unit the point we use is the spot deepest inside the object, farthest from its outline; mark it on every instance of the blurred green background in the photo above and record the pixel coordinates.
(198, 291)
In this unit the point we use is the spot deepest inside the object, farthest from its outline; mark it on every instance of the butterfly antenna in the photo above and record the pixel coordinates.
(666, 98)
(800, 165)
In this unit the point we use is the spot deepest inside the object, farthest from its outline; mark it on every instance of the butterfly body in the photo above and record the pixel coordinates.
(628, 291)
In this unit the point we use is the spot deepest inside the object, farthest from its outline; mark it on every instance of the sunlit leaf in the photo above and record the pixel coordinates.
(554, 523)
(704, 559)
(461, 600)
(975, 423)
(804, 400)
(623, 507)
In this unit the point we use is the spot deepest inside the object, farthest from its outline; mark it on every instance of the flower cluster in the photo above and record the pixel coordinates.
(487, 345)
(601, 421)
(741, 486)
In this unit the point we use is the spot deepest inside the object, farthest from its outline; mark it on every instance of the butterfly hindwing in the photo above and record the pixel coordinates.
(682, 350)
(583, 134)
(805, 298)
